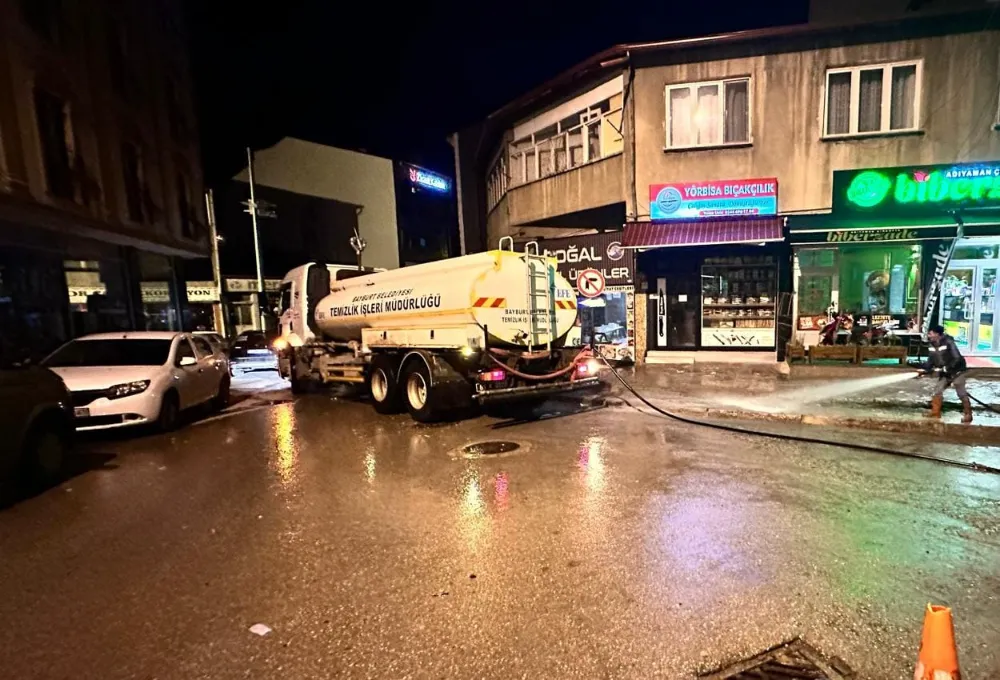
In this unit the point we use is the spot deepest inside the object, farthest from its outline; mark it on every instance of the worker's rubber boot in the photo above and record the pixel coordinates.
(936, 404)
(966, 410)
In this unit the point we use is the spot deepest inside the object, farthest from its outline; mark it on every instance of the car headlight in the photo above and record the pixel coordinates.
(127, 389)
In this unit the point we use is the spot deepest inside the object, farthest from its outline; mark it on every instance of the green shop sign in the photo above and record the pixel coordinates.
(914, 191)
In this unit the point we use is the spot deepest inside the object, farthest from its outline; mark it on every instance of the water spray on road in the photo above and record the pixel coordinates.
(789, 401)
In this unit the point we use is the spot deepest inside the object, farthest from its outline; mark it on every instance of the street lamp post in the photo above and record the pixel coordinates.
(262, 209)
(258, 317)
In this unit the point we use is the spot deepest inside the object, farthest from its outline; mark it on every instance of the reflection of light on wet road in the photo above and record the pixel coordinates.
(501, 491)
(473, 520)
(370, 464)
(283, 429)
(591, 462)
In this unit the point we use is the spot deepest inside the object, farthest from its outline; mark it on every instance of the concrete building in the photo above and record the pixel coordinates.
(101, 198)
(719, 156)
(316, 197)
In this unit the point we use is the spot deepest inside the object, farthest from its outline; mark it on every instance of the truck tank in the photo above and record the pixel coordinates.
(498, 290)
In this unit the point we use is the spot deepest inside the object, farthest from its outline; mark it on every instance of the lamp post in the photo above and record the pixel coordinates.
(263, 209)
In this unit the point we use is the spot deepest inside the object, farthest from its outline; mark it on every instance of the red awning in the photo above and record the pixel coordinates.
(701, 232)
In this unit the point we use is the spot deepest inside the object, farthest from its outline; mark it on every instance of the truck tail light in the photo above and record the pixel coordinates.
(498, 375)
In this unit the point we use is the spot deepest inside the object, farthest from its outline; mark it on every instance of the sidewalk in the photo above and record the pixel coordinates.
(761, 393)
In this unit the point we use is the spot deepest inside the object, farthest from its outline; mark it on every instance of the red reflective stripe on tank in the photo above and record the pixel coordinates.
(481, 302)
(499, 302)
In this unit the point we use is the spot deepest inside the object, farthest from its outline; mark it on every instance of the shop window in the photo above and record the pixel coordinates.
(55, 132)
(32, 306)
(872, 99)
(132, 175)
(159, 301)
(708, 114)
(739, 301)
(879, 280)
(98, 296)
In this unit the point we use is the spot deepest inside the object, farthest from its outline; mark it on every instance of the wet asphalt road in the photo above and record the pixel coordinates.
(611, 545)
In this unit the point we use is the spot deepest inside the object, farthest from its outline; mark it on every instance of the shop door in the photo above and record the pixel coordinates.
(674, 314)
(969, 306)
(986, 299)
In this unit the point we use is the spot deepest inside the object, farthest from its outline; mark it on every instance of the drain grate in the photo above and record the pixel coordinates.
(793, 660)
(490, 448)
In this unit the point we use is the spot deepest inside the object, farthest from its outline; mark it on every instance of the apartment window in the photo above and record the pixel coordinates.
(184, 206)
(55, 132)
(132, 174)
(584, 136)
(712, 113)
(872, 99)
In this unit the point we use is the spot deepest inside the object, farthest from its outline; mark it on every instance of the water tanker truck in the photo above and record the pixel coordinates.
(435, 338)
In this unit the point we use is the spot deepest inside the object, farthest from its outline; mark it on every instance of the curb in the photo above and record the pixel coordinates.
(955, 432)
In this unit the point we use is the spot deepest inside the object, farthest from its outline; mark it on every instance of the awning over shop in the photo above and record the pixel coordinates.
(701, 232)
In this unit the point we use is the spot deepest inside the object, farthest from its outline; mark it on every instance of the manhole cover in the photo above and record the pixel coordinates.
(789, 661)
(490, 448)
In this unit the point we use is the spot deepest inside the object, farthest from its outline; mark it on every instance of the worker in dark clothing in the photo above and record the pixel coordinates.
(949, 365)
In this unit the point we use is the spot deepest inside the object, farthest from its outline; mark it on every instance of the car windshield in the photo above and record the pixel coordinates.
(111, 353)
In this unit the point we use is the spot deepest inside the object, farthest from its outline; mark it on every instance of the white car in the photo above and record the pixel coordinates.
(138, 377)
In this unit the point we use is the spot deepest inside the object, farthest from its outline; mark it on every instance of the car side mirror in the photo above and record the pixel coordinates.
(188, 361)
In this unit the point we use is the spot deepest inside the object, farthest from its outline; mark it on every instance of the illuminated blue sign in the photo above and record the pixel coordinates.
(429, 180)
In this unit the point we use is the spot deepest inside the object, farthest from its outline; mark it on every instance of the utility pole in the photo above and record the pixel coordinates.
(262, 209)
(258, 317)
(213, 235)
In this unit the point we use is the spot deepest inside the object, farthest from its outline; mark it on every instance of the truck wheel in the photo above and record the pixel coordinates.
(383, 384)
(418, 394)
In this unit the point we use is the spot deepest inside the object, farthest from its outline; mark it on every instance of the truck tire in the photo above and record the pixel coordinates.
(418, 393)
(383, 385)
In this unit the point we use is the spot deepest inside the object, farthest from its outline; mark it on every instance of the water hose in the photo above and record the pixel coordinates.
(585, 353)
(974, 466)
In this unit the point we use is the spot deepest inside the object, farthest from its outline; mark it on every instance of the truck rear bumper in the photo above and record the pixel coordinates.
(543, 390)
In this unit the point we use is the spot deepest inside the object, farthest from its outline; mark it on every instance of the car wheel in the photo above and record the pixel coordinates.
(221, 399)
(383, 384)
(418, 393)
(45, 451)
(170, 411)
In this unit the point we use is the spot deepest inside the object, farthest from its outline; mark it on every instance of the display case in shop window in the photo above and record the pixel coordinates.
(739, 302)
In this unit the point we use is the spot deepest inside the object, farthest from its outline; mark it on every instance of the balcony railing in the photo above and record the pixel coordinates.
(531, 159)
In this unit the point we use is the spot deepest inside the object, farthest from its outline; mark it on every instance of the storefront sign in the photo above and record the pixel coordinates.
(917, 190)
(202, 291)
(250, 285)
(429, 180)
(602, 252)
(871, 235)
(724, 198)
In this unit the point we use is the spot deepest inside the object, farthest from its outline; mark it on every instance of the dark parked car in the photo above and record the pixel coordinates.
(252, 351)
(36, 419)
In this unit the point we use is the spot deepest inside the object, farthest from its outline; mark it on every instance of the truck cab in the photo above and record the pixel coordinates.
(301, 289)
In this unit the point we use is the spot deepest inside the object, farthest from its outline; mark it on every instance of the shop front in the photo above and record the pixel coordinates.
(711, 262)
(608, 318)
(887, 255)
(239, 303)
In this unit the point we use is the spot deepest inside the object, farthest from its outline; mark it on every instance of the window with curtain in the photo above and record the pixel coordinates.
(708, 113)
(872, 99)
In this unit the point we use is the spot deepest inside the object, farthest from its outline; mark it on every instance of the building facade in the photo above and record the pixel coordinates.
(312, 200)
(722, 158)
(101, 199)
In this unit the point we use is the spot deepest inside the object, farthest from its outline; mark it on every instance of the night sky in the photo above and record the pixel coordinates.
(396, 78)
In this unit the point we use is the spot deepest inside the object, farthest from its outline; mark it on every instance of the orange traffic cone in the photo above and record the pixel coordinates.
(938, 657)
